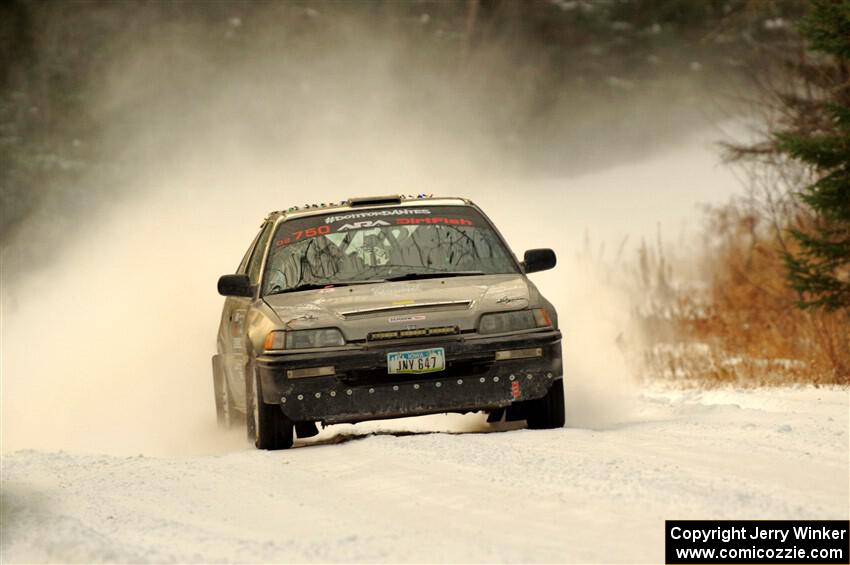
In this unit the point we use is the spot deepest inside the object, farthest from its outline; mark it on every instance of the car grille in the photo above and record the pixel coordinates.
(413, 333)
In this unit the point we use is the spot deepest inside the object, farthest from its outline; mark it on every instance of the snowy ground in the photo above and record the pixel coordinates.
(376, 492)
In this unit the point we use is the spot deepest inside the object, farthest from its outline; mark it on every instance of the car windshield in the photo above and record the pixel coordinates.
(386, 243)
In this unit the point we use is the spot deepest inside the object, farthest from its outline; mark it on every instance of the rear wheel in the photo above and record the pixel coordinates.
(267, 425)
(548, 412)
(224, 410)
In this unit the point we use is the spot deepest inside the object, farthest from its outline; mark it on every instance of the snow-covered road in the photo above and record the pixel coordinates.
(377, 492)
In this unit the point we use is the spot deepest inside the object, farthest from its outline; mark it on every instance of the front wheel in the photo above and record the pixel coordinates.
(267, 425)
(548, 412)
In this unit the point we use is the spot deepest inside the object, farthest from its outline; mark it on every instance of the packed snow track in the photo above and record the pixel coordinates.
(387, 492)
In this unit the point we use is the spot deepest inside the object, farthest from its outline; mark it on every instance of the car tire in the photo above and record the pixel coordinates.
(548, 412)
(267, 425)
(225, 411)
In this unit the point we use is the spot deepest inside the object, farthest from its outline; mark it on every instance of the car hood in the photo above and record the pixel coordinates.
(361, 309)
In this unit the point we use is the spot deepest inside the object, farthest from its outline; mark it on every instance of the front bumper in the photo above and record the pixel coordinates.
(361, 389)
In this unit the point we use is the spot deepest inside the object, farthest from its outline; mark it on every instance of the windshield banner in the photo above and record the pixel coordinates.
(306, 228)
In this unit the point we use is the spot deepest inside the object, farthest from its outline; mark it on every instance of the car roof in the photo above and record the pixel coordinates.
(371, 202)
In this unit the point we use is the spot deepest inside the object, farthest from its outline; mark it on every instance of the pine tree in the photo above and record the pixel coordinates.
(820, 269)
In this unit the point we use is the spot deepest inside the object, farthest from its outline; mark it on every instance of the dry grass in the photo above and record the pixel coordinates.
(728, 315)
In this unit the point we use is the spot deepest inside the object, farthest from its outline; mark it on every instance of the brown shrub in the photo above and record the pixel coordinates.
(734, 319)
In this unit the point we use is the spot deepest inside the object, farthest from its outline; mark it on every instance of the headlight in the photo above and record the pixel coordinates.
(303, 339)
(503, 322)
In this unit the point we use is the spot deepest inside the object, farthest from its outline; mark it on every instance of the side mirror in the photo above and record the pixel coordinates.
(539, 260)
(235, 285)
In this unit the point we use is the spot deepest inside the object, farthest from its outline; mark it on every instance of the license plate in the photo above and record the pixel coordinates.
(417, 361)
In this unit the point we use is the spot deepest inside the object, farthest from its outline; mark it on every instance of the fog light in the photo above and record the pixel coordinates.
(311, 372)
(519, 353)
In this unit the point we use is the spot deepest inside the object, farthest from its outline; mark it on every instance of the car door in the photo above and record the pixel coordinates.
(232, 338)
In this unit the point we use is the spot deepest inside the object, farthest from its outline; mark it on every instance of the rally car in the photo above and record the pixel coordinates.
(384, 307)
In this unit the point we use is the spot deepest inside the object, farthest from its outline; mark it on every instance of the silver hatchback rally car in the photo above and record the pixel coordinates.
(384, 307)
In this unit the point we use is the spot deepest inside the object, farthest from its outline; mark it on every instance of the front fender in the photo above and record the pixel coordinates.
(261, 320)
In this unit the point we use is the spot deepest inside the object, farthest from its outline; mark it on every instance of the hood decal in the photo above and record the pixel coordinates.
(509, 299)
(410, 318)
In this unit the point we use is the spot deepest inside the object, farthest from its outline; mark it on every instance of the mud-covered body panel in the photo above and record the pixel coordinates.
(362, 309)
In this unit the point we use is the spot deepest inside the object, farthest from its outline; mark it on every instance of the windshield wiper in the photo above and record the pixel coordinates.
(434, 275)
(314, 286)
